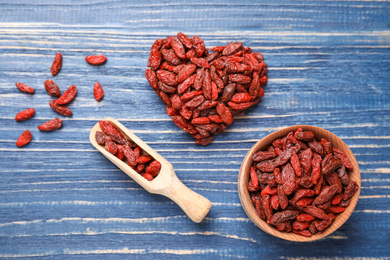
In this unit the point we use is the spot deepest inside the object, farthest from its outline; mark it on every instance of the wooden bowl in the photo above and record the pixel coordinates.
(261, 145)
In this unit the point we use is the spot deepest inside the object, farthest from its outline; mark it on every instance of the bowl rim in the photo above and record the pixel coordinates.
(248, 206)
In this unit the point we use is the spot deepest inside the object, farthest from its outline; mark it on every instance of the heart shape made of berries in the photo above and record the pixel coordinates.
(203, 90)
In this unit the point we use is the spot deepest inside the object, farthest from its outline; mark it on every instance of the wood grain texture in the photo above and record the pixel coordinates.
(329, 66)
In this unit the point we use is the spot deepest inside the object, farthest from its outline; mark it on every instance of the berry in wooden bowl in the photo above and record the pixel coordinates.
(300, 183)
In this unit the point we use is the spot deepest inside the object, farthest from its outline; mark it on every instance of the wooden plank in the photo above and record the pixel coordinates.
(328, 66)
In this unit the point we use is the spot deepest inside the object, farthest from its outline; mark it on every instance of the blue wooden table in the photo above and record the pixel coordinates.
(329, 66)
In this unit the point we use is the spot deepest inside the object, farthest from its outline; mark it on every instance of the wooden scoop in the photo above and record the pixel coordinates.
(166, 183)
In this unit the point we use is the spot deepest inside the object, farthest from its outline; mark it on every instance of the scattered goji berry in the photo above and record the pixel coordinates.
(98, 92)
(96, 59)
(52, 88)
(24, 139)
(68, 95)
(62, 110)
(57, 63)
(51, 125)
(24, 88)
(25, 114)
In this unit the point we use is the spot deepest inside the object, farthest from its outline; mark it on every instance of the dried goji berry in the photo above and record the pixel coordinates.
(154, 168)
(24, 139)
(178, 47)
(305, 232)
(51, 125)
(96, 59)
(68, 95)
(62, 110)
(185, 40)
(239, 78)
(25, 114)
(144, 159)
(112, 131)
(350, 190)
(52, 88)
(98, 92)
(24, 88)
(344, 159)
(57, 63)
(283, 216)
(305, 217)
(100, 137)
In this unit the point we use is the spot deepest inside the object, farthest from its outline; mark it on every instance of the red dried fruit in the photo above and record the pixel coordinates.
(200, 62)
(274, 202)
(344, 159)
(144, 159)
(283, 216)
(178, 48)
(224, 113)
(283, 200)
(24, 88)
(119, 153)
(98, 92)
(25, 114)
(68, 95)
(304, 202)
(154, 168)
(57, 63)
(198, 45)
(266, 200)
(201, 121)
(167, 77)
(239, 78)
(51, 125)
(306, 136)
(326, 194)
(305, 217)
(183, 86)
(111, 147)
(254, 178)
(241, 98)
(316, 168)
(333, 179)
(300, 225)
(112, 131)
(316, 212)
(350, 190)
(62, 110)
(301, 194)
(268, 190)
(288, 178)
(305, 232)
(96, 59)
(336, 209)
(24, 139)
(336, 199)
(185, 40)
(306, 160)
(51, 88)
(187, 71)
(100, 137)
(232, 48)
(331, 165)
(170, 57)
(148, 176)
(296, 164)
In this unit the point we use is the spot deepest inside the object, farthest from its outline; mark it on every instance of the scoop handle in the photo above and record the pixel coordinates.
(193, 204)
